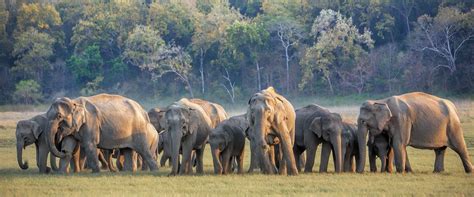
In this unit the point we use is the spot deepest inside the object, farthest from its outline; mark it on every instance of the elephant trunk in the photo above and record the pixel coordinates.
(174, 147)
(261, 145)
(19, 154)
(51, 139)
(383, 158)
(216, 155)
(336, 144)
(52, 161)
(361, 140)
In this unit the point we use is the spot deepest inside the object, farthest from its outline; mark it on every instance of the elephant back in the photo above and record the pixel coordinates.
(214, 111)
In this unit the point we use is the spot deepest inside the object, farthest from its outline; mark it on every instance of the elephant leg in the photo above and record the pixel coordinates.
(129, 163)
(286, 145)
(325, 153)
(103, 161)
(187, 150)
(302, 161)
(108, 156)
(390, 157)
(407, 163)
(439, 161)
(75, 160)
(240, 162)
(147, 157)
(253, 158)
(372, 161)
(310, 156)
(52, 162)
(271, 157)
(92, 157)
(199, 161)
(282, 165)
(82, 159)
(42, 152)
(400, 157)
(457, 143)
(163, 160)
(226, 161)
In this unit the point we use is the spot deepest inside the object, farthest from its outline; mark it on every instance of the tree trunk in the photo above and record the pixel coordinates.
(258, 76)
(287, 71)
(201, 70)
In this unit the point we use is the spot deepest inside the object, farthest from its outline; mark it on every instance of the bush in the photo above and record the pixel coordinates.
(27, 92)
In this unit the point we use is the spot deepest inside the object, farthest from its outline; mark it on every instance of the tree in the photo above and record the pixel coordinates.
(87, 66)
(171, 59)
(3, 29)
(27, 91)
(145, 49)
(32, 51)
(338, 49)
(39, 16)
(445, 35)
(211, 29)
(283, 25)
(174, 21)
(245, 39)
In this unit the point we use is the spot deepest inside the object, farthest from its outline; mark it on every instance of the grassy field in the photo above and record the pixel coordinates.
(16, 182)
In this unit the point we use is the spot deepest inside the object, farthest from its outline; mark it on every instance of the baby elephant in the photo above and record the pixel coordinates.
(227, 142)
(379, 146)
(350, 148)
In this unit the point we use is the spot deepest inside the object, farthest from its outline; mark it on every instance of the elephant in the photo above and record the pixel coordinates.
(413, 119)
(188, 127)
(227, 143)
(270, 114)
(103, 121)
(350, 148)
(379, 146)
(316, 125)
(33, 131)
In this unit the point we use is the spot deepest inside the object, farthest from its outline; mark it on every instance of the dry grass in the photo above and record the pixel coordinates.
(15, 182)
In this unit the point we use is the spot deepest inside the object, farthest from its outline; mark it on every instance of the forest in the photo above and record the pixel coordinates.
(229, 49)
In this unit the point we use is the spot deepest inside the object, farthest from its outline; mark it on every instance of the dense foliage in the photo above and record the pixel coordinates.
(228, 50)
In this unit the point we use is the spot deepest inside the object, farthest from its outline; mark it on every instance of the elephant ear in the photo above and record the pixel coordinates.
(78, 117)
(316, 126)
(227, 138)
(192, 116)
(382, 114)
(37, 130)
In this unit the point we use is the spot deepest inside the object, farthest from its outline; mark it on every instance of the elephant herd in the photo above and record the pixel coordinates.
(88, 131)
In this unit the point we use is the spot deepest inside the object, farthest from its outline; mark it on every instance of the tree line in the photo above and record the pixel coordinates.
(229, 49)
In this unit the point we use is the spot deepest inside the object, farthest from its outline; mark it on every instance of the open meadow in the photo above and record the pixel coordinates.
(453, 182)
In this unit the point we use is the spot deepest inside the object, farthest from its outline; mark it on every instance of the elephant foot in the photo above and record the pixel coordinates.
(171, 174)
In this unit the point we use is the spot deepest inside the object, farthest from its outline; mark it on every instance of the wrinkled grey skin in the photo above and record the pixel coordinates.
(227, 143)
(316, 125)
(188, 128)
(32, 131)
(379, 146)
(94, 121)
(414, 119)
(350, 149)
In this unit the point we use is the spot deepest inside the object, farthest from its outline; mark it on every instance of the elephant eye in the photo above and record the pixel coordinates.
(59, 116)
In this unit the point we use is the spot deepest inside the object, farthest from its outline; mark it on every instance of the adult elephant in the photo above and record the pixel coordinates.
(188, 127)
(414, 119)
(270, 114)
(32, 131)
(103, 121)
(316, 125)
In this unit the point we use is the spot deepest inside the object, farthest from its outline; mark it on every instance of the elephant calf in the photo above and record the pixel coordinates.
(379, 146)
(227, 142)
(33, 131)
